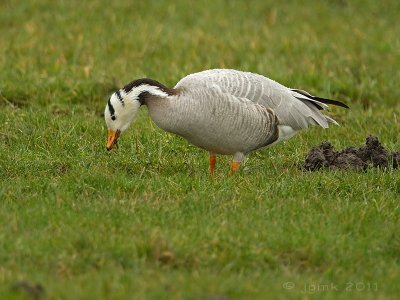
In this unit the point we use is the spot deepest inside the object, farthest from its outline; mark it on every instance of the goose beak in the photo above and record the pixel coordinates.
(112, 138)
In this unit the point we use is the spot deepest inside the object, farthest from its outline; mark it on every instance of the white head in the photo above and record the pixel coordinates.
(124, 104)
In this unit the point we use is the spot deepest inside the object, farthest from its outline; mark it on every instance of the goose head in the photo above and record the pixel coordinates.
(119, 114)
(123, 105)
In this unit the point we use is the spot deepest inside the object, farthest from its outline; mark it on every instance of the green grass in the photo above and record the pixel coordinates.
(146, 221)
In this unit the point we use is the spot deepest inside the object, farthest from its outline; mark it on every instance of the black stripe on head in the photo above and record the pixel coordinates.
(130, 86)
(111, 109)
(142, 97)
(118, 93)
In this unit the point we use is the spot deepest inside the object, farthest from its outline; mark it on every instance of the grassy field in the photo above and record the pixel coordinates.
(146, 221)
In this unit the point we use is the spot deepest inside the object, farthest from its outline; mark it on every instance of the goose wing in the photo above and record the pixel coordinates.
(294, 108)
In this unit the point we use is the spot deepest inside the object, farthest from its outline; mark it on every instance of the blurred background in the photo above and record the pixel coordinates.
(76, 52)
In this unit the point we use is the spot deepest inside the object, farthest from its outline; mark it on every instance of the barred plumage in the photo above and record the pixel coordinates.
(223, 111)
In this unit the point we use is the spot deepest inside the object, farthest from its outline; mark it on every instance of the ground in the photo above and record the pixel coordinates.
(146, 221)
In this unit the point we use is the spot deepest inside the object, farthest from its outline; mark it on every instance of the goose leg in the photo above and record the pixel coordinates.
(237, 159)
(234, 167)
(212, 160)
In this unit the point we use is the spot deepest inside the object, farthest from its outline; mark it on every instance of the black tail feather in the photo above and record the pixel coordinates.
(323, 100)
(330, 101)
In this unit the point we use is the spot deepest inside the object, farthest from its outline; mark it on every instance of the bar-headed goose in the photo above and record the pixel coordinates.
(222, 111)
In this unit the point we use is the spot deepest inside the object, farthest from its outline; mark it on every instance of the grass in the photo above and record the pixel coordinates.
(146, 221)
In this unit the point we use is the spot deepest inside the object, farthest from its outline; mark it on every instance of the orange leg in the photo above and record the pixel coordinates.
(213, 160)
(234, 167)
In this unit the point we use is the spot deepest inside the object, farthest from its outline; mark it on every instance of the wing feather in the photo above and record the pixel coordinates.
(294, 108)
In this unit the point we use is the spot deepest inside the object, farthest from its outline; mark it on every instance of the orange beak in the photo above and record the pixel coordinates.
(112, 138)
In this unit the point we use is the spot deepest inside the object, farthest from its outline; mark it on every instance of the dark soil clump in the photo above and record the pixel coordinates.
(373, 154)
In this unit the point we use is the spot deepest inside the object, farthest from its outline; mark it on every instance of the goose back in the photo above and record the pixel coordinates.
(291, 111)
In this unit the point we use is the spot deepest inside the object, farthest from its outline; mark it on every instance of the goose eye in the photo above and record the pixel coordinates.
(113, 118)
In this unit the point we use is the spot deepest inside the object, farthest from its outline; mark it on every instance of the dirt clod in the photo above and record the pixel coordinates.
(166, 257)
(31, 290)
(373, 154)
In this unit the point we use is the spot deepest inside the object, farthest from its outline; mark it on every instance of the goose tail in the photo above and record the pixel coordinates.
(316, 104)
(320, 103)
